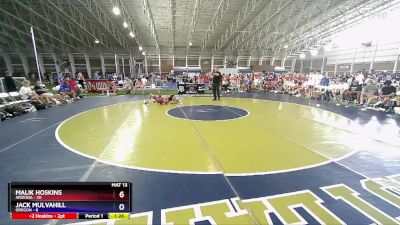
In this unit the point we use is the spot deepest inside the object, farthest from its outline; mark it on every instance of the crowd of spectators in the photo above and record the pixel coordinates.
(377, 90)
(31, 96)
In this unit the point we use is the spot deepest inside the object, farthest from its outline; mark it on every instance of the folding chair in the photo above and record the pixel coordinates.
(16, 97)
(7, 100)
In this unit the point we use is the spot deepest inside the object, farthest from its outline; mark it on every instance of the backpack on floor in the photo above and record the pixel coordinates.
(14, 110)
(3, 116)
(6, 114)
(28, 107)
(38, 106)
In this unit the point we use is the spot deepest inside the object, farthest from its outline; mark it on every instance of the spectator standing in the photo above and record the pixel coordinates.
(59, 78)
(318, 78)
(360, 78)
(389, 77)
(81, 80)
(109, 77)
(47, 76)
(325, 80)
(9, 83)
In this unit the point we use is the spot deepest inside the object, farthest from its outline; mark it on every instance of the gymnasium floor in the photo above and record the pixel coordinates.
(248, 159)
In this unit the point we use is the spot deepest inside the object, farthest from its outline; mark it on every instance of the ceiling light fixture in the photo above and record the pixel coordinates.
(286, 46)
(125, 24)
(116, 10)
(96, 41)
(143, 53)
(302, 56)
(131, 34)
(140, 48)
(190, 43)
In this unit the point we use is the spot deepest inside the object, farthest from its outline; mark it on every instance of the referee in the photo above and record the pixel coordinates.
(216, 83)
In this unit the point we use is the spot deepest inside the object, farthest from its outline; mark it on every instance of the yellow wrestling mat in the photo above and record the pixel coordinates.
(235, 136)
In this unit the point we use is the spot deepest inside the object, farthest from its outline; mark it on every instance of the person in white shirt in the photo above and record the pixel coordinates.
(344, 87)
(26, 92)
(311, 79)
(144, 81)
(349, 80)
(318, 78)
(360, 78)
(334, 89)
(388, 77)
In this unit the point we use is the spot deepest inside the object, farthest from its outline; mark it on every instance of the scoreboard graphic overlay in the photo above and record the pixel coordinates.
(69, 200)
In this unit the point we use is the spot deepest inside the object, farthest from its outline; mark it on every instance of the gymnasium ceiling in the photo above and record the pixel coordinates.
(166, 27)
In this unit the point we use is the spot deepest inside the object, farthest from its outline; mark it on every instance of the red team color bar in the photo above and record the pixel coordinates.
(44, 216)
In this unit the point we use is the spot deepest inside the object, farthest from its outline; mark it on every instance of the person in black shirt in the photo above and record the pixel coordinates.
(354, 91)
(43, 92)
(9, 83)
(39, 88)
(387, 92)
(47, 75)
(216, 83)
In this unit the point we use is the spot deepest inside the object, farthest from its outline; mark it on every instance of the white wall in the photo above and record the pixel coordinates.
(229, 70)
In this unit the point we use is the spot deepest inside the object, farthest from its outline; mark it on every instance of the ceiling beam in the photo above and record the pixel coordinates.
(54, 22)
(172, 8)
(303, 10)
(90, 31)
(28, 20)
(192, 24)
(266, 15)
(322, 29)
(93, 7)
(149, 16)
(223, 6)
(249, 9)
(17, 40)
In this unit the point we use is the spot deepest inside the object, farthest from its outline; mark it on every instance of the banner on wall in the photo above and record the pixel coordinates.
(191, 88)
(96, 85)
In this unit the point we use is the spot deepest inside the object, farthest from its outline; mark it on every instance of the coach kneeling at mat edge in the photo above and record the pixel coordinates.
(216, 83)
